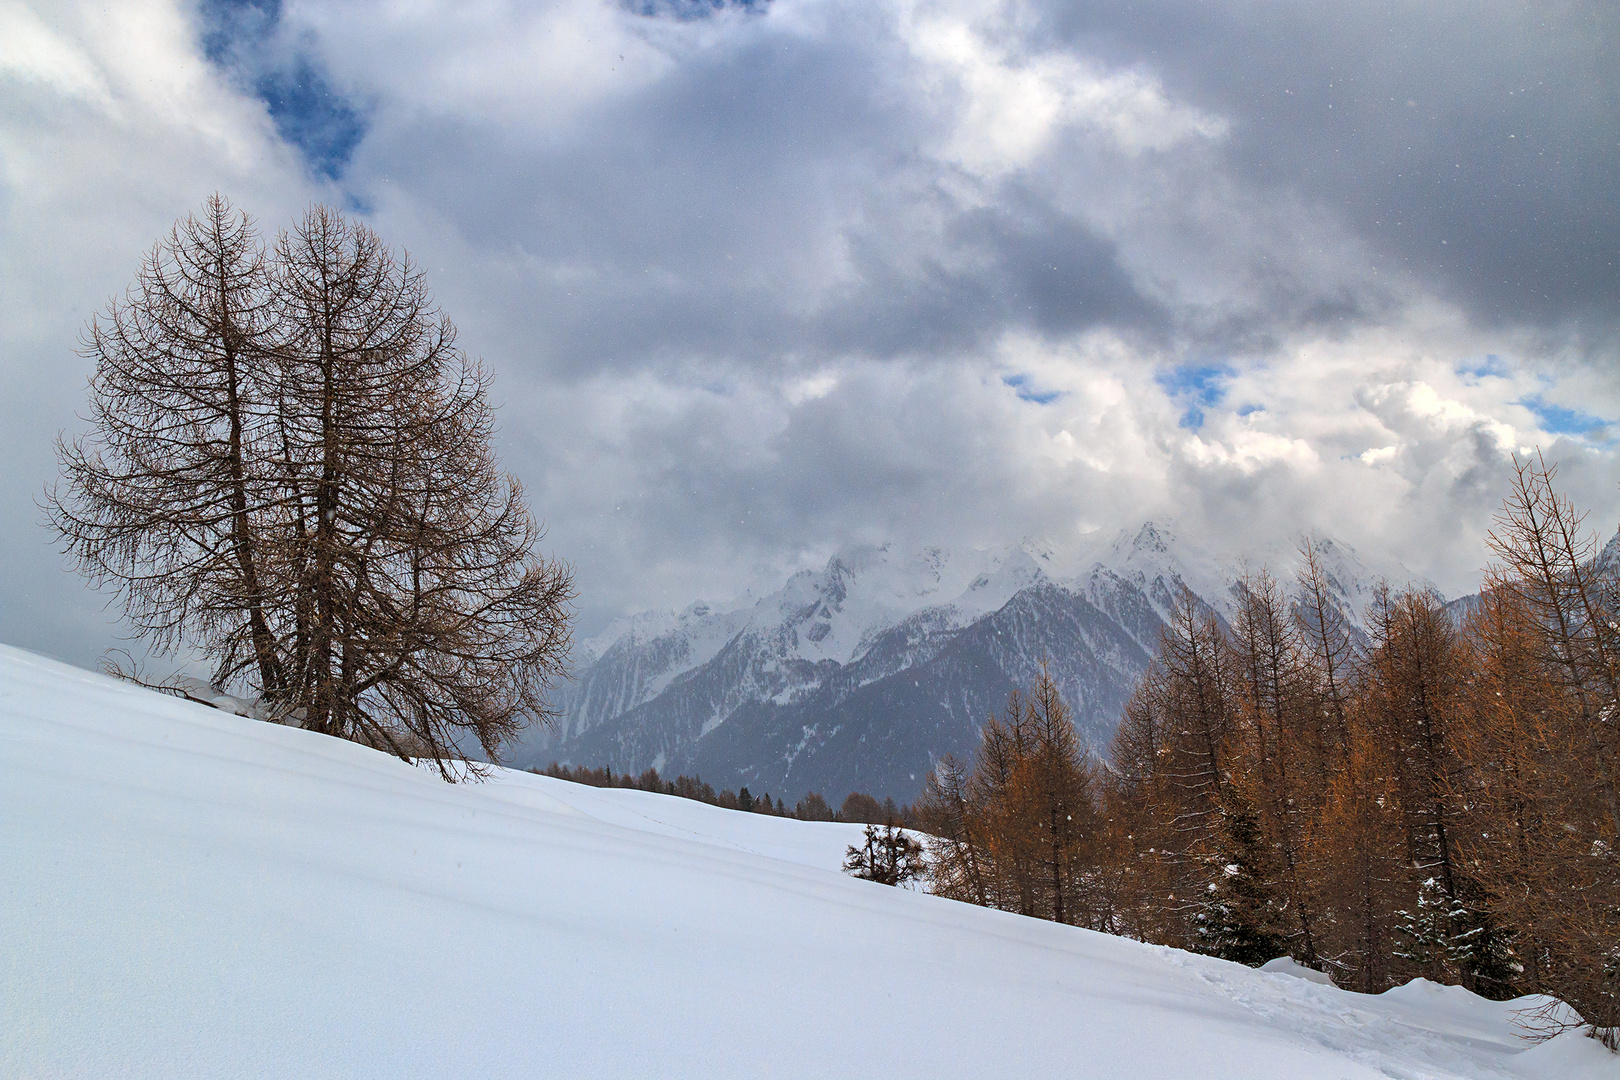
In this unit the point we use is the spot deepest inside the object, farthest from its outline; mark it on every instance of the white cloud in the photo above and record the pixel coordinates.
(812, 387)
(32, 52)
(1013, 103)
(1250, 451)
(529, 66)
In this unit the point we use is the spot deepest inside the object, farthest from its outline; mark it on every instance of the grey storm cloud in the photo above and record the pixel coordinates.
(1472, 145)
(770, 199)
(1469, 151)
(1470, 148)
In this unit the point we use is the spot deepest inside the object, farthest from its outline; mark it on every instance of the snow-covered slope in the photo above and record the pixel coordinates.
(862, 675)
(190, 893)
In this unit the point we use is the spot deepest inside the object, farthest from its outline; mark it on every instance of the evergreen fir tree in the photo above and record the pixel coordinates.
(1454, 940)
(1239, 917)
(1482, 949)
(1423, 932)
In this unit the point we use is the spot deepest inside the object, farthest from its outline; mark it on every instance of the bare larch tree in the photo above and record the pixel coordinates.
(289, 468)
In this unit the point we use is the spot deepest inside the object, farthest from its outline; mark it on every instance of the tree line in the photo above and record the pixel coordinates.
(888, 855)
(858, 807)
(289, 472)
(1435, 795)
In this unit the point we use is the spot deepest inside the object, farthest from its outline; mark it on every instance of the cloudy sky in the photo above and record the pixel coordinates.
(761, 278)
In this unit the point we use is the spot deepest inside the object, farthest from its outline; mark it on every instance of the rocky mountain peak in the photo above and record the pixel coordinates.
(861, 674)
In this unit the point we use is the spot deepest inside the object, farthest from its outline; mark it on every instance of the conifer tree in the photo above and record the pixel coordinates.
(1141, 811)
(1239, 917)
(170, 496)
(1195, 699)
(1198, 687)
(1414, 683)
(1058, 797)
(1483, 949)
(290, 470)
(1425, 929)
(1019, 830)
(1330, 652)
(1555, 657)
(1001, 802)
(1283, 755)
(1507, 739)
(813, 808)
(1364, 846)
(955, 847)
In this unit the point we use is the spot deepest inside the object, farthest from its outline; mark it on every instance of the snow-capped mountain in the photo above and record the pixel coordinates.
(1154, 561)
(815, 619)
(860, 676)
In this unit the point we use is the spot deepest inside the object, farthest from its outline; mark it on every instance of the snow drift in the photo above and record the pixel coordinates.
(191, 893)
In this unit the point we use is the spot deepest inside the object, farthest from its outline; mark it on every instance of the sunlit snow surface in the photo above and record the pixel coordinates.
(192, 894)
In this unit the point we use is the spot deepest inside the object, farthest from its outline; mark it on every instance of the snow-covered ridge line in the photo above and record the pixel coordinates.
(866, 589)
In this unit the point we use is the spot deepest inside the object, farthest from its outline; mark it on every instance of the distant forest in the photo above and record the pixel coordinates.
(857, 807)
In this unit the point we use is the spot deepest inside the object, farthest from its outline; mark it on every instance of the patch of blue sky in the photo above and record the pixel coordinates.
(1197, 387)
(241, 37)
(1491, 367)
(1250, 407)
(1560, 420)
(313, 116)
(1025, 388)
(686, 10)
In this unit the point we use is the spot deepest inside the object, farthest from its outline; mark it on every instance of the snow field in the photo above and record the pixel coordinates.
(190, 893)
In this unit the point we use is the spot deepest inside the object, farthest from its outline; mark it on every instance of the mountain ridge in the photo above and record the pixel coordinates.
(860, 676)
